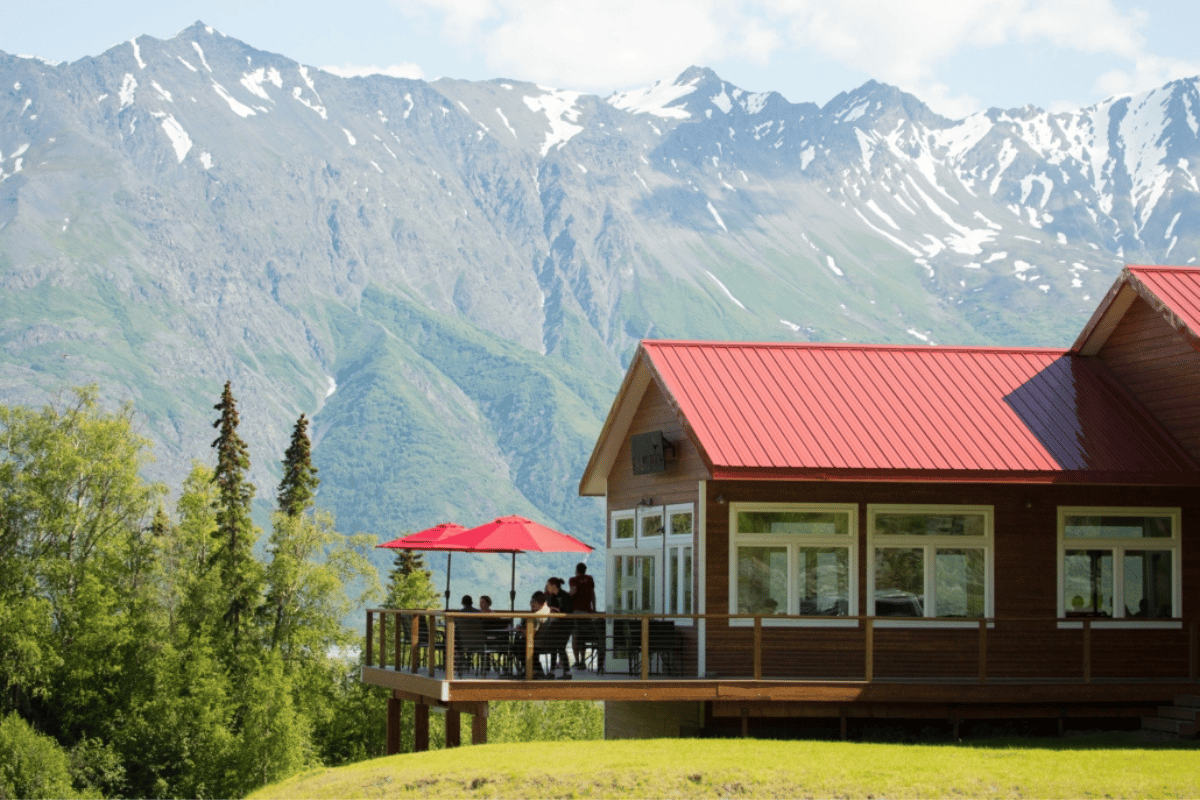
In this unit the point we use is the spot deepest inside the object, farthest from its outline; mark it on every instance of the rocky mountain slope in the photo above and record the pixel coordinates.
(452, 275)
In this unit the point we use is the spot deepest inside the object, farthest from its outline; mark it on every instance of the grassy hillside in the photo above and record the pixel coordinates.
(1108, 765)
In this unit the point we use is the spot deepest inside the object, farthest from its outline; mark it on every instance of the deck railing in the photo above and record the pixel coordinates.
(782, 647)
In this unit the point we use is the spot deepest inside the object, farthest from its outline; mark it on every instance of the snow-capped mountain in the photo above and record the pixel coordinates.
(451, 275)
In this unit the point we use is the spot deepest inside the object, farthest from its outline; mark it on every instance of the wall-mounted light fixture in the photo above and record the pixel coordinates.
(720, 499)
(646, 501)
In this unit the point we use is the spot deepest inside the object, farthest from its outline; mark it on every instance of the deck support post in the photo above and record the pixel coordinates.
(645, 648)
(1087, 651)
(842, 722)
(453, 728)
(479, 724)
(420, 728)
(529, 649)
(399, 654)
(869, 648)
(383, 653)
(394, 717)
(415, 656)
(745, 722)
(450, 654)
(370, 638)
(983, 623)
(758, 648)
(431, 645)
(1193, 652)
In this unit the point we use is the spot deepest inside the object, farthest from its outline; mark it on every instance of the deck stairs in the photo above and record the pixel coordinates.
(1181, 719)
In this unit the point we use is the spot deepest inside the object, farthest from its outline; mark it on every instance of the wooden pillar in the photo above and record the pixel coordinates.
(383, 653)
(450, 654)
(645, 648)
(1087, 651)
(869, 645)
(745, 722)
(394, 714)
(370, 638)
(529, 648)
(479, 724)
(1193, 652)
(453, 726)
(421, 728)
(842, 723)
(983, 623)
(758, 648)
(399, 654)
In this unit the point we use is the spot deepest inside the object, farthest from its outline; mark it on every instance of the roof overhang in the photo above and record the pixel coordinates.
(1066, 477)
(1127, 288)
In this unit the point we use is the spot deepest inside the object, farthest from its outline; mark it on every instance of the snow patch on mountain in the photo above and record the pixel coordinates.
(178, 136)
(127, 91)
(241, 109)
(200, 52)
(561, 112)
(654, 99)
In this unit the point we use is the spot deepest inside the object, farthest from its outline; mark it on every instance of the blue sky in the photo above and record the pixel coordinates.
(958, 56)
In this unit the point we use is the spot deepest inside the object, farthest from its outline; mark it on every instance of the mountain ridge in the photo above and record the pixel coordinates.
(478, 259)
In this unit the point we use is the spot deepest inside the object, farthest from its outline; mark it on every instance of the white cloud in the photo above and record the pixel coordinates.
(589, 44)
(404, 70)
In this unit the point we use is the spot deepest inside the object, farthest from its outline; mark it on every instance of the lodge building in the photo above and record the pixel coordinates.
(832, 531)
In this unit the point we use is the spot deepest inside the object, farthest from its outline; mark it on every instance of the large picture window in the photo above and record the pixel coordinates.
(930, 561)
(1120, 563)
(793, 559)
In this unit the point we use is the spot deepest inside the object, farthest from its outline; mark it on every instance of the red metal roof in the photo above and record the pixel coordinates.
(811, 411)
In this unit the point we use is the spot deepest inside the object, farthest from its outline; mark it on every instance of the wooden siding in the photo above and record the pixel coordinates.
(1160, 368)
(680, 482)
(1025, 560)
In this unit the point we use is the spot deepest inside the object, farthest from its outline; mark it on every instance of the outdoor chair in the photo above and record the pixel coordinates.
(590, 636)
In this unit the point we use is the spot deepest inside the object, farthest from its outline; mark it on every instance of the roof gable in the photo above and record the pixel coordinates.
(1174, 292)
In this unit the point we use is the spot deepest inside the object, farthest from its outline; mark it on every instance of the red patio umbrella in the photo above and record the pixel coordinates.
(431, 539)
(514, 535)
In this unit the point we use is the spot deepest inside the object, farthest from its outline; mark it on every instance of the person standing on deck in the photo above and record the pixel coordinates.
(583, 596)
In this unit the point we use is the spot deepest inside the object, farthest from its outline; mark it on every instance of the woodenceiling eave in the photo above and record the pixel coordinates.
(594, 481)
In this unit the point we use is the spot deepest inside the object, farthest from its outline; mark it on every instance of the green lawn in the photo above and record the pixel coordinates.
(1105, 765)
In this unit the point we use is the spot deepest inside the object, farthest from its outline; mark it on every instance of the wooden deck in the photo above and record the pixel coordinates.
(985, 662)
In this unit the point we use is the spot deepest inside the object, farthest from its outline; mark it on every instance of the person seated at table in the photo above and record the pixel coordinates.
(560, 603)
(468, 604)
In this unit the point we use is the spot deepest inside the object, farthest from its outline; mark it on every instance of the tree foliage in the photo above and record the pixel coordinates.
(299, 484)
(233, 553)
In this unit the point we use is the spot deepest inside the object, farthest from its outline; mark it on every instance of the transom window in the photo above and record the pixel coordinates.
(1119, 563)
(793, 559)
(930, 561)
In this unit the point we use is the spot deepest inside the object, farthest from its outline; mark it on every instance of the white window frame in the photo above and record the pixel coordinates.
(794, 543)
(1118, 548)
(930, 545)
(670, 542)
(613, 541)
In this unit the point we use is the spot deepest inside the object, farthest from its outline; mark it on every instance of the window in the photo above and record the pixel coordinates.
(1119, 563)
(793, 559)
(650, 559)
(679, 543)
(930, 561)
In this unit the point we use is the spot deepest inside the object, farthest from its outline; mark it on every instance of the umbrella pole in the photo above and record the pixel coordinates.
(512, 593)
(449, 557)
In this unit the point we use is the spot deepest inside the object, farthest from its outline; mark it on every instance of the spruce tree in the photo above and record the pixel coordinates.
(299, 483)
(233, 550)
(410, 585)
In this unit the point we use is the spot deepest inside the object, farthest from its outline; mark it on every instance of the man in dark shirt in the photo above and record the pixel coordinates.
(583, 595)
